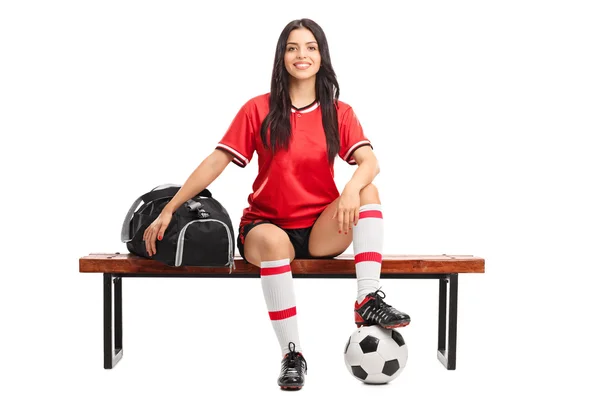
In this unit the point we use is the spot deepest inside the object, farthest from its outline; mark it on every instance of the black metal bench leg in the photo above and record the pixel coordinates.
(448, 306)
(113, 355)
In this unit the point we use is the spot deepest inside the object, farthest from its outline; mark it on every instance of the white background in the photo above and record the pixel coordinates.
(482, 115)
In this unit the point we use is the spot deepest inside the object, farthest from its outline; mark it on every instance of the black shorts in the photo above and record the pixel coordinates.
(298, 237)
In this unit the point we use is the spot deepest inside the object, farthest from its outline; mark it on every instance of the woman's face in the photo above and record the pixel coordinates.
(302, 56)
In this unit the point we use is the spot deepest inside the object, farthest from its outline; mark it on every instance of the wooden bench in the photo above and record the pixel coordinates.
(445, 268)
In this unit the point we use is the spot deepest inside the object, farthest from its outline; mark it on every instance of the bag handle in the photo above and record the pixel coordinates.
(153, 195)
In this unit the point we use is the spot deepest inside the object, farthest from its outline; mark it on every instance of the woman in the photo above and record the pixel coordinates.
(295, 210)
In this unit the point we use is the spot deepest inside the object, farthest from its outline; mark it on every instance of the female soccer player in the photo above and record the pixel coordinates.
(295, 210)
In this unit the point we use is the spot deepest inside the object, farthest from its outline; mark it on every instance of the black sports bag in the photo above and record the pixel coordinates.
(200, 233)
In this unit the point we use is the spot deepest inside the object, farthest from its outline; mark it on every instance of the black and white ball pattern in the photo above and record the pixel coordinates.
(375, 355)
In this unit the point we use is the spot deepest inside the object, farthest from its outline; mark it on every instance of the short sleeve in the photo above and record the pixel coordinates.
(239, 138)
(351, 136)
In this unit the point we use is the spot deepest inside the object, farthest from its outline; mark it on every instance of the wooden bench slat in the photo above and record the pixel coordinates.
(343, 265)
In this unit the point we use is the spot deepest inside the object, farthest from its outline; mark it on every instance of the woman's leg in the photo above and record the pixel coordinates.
(268, 247)
(370, 308)
(367, 239)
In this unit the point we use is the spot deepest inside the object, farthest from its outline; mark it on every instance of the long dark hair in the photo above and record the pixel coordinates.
(280, 104)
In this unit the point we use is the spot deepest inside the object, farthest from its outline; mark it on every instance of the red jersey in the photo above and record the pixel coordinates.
(294, 186)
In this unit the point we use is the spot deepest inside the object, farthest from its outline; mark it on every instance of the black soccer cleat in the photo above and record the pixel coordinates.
(374, 311)
(293, 369)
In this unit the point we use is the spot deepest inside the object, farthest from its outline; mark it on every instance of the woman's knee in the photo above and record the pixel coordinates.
(369, 195)
(267, 242)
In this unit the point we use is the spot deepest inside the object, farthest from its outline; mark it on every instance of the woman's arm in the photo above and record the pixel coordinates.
(368, 168)
(203, 175)
(347, 212)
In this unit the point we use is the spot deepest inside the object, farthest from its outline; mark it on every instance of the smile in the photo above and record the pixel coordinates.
(302, 65)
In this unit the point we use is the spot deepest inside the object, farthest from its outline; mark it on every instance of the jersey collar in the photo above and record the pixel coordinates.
(306, 109)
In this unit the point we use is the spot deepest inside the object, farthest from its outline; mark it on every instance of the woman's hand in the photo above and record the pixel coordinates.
(156, 229)
(348, 209)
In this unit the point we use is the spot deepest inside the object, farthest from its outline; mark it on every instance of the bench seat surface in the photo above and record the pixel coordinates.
(116, 263)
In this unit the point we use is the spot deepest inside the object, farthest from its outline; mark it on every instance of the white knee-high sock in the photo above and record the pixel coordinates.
(368, 246)
(278, 289)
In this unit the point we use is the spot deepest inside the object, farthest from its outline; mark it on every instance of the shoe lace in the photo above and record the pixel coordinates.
(379, 296)
(293, 360)
(379, 303)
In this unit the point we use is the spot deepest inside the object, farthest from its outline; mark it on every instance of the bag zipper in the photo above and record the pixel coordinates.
(180, 241)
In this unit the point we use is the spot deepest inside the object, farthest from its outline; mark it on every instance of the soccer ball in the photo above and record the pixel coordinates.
(375, 355)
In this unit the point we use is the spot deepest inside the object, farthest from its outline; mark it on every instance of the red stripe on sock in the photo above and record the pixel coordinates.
(275, 270)
(370, 214)
(283, 314)
(368, 256)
